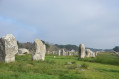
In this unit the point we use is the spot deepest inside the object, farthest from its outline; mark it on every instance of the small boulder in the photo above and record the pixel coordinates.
(23, 51)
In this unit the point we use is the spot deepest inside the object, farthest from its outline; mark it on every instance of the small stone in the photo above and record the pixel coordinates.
(82, 70)
(78, 66)
(69, 62)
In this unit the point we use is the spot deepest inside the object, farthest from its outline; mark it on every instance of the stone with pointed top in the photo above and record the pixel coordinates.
(40, 50)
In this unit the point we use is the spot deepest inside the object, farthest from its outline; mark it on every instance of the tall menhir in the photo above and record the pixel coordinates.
(82, 51)
(8, 48)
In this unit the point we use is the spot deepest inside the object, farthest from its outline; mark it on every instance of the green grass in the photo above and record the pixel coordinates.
(100, 67)
(104, 58)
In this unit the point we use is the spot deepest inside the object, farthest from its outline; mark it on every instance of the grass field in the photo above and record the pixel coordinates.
(104, 66)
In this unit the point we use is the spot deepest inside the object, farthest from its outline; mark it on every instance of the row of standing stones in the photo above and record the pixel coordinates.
(82, 52)
(86, 52)
(9, 48)
(62, 52)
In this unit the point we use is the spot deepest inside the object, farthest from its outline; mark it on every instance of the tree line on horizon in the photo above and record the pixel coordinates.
(55, 47)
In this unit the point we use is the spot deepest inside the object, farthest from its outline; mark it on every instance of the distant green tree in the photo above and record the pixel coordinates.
(27, 45)
(47, 45)
(116, 48)
(68, 47)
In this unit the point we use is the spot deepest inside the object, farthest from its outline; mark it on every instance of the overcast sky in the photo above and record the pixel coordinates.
(92, 22)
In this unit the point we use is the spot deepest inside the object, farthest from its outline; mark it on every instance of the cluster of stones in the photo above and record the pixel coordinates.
(63, 52)
(9, 48)
(86, 52)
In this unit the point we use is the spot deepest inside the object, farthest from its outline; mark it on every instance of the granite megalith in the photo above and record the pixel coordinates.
(40, 50)
(8, 48)
(82, 51)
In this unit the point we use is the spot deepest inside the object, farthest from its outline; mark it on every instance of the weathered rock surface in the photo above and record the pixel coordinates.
(63, 53)
(59, 52)
(82, 51)
(53, 52)
(8, 48)
(88, 51)
(40, 50)
(23, 51)
(93, 55)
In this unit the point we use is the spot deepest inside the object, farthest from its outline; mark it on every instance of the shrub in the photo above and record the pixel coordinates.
(72, 67)
(85, 66)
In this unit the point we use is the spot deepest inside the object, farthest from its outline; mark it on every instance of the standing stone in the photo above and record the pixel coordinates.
(70, 54)
(81, 51)
(8, 48)
(63, 53)
(88, 52)
(59, 52)
(93, 54)
(40, 50)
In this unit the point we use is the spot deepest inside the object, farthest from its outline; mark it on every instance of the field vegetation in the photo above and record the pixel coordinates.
(104, 66)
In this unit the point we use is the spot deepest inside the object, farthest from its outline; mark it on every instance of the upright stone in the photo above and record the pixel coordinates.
(81, 51)
(59, 52)
(40, 50)
(88, 52)
(8, 48)
(93, 54)
(63, 53)
(70, 54)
